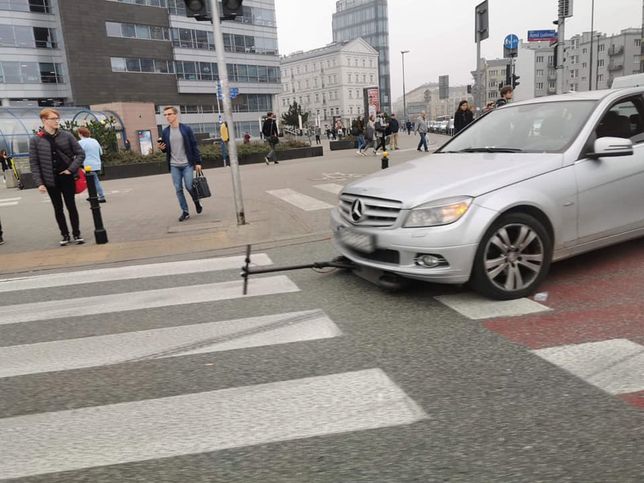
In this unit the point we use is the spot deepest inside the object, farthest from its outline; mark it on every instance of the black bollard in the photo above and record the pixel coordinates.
(384, 162)
(100, 235)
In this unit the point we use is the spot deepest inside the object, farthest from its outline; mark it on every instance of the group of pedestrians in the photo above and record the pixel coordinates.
(375, 132)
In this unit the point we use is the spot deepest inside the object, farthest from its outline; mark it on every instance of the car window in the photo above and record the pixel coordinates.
(623, 120)
(538, 127)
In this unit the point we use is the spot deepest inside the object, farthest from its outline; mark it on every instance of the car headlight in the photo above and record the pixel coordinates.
(440, 212)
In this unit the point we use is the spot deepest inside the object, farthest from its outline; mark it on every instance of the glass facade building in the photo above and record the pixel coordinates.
(369, 20)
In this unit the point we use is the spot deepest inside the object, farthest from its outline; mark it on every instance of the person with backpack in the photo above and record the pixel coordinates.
(55, 157)
(357, 131)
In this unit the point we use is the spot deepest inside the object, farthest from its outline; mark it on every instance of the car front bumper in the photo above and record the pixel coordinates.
(396, 249)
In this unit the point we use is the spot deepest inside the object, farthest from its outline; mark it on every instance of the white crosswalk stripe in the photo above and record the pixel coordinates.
(202, 422)
(302, 201)
(95, 435)
(168, 342)
(330, 187)
(4, 202)
(128, 272)
(209, 292)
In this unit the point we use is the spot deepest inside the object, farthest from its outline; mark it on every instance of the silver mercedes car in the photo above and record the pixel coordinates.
(527, 184)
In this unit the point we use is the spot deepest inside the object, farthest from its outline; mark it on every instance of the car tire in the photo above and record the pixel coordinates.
(512, 258)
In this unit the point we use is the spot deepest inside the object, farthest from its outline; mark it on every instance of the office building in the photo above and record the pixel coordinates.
(328, 82)
(107, 52)
(367, 19)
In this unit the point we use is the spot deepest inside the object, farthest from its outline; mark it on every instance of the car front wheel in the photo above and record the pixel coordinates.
(513, 257)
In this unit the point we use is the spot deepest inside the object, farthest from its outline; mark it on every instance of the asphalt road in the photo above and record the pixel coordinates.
(347, 384)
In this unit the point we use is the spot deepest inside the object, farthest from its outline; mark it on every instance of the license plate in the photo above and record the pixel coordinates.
(358, 241)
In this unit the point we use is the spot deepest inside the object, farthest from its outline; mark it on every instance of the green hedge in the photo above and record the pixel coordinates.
(209, 153)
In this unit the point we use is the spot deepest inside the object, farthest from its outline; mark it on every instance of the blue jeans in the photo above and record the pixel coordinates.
(361, 142)
(182, 176)
(423, 141)
(99, 189)
(224, 153)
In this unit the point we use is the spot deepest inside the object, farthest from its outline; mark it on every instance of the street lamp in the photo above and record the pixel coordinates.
(402, 54)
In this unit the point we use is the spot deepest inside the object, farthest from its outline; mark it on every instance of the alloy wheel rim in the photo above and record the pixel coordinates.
(514, 257)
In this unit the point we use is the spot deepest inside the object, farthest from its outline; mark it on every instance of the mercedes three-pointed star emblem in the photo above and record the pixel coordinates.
(357, 210)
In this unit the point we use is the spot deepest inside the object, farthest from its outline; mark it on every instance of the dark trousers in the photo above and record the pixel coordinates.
(382, 143)
(65, 190)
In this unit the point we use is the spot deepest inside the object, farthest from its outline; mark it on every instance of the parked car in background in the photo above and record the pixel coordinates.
(523, 186)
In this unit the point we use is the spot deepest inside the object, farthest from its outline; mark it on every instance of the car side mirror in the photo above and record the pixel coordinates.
(611, 147)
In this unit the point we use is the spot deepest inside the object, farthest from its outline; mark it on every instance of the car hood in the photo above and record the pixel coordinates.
(440, 176)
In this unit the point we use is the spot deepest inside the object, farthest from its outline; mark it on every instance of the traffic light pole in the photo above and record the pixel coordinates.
(560, 54)
(228, 112)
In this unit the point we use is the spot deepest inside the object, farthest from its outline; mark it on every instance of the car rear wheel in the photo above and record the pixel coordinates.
(513, 257)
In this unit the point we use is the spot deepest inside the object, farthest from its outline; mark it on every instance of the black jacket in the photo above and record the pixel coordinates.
(40, 156)
(394, 127)
(269, 128)
(462, 119)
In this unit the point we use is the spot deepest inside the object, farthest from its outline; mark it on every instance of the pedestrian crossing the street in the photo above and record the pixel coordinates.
(98, 434)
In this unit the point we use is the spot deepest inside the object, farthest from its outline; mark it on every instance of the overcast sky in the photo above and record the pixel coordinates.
(440, 34)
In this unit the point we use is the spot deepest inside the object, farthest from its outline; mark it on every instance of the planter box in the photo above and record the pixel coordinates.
(344, 144)
(147, 169)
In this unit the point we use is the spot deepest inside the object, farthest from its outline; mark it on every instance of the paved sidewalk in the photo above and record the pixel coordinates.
(141, 213)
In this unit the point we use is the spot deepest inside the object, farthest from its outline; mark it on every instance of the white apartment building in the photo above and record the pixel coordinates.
(329, 81)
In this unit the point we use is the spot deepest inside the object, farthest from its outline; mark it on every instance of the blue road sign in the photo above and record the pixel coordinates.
(234, 91)
(511, 41)
(540, 35)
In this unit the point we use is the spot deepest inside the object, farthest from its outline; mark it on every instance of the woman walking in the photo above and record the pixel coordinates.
(462, 117)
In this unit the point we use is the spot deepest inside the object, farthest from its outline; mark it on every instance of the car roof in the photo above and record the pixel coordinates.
(582, 96)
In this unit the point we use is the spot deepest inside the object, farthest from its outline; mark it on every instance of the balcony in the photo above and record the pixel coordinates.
(613, 66)
(616, 50)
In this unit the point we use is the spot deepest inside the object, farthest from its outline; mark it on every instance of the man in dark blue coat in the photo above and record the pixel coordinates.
(179, 144)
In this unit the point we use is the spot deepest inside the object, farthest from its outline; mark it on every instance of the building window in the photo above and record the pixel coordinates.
(601, 47)
(539, 72)
(137, 31)
(638, 42)
(37, 6)
(27, 37)
(148, 3)
(31, 73)
(539, 58)
(146, 65)
(600, 62)
(539, 85)
(584, 50)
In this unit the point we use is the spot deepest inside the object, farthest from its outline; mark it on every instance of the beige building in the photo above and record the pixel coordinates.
(426, 98)
(329, 81)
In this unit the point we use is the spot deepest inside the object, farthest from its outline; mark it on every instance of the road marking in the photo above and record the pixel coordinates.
(4, 200)
(330, 187)
(477, 307)
(210, 292)
(184, 340)
(304, 202)
(11, 203)
(615, 366)
(128, 273)
(203, 422)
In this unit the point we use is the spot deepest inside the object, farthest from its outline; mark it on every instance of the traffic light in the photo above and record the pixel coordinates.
(232, 9)
(508, 75)
(515, 81)
(197, 9)
(469, 88)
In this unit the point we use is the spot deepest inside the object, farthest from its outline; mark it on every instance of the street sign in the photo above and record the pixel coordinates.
(511, 42)
(443, 86)
(234, 92)
(481, 24)
(542, 35)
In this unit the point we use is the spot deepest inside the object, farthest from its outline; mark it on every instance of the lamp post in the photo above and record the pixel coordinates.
(402, 54)
(592, 35)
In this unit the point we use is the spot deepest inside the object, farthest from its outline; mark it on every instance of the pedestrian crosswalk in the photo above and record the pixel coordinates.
(187, 422)
(6, 202)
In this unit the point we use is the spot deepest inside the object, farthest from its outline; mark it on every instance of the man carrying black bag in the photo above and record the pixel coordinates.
(179, 144)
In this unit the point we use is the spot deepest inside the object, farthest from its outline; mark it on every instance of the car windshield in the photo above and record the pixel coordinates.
(544, 127)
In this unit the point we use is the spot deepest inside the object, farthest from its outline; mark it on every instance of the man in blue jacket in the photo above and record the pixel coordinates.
(179, 144)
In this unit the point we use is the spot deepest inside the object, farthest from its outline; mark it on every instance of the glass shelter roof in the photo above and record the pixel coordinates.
(17, 124)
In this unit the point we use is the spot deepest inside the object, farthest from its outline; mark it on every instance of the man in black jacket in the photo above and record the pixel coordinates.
(394, 127)
(269, 131)
(55, 156)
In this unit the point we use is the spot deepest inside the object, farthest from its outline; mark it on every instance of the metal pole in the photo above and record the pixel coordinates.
(592, 36)
(228, 112)
(402, 54)
(479, 88)
(560, 57)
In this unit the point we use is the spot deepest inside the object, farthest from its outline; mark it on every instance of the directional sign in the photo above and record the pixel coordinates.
(511, 41)
(234, 92)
